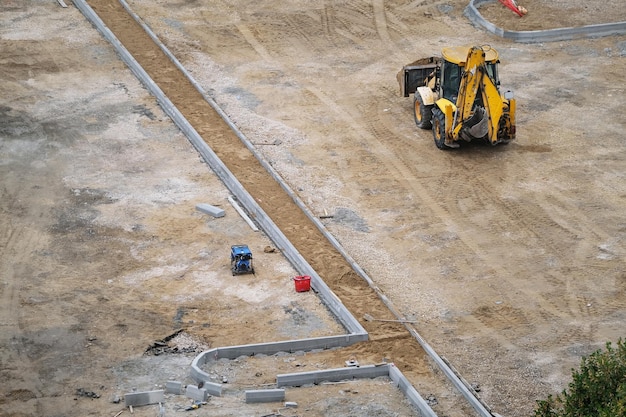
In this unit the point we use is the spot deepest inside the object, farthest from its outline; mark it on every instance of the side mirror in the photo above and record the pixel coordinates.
(508, 95)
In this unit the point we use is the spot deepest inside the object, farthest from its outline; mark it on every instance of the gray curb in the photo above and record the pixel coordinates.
(550, 35)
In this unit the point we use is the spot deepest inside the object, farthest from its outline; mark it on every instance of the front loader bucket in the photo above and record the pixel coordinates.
(416, 74)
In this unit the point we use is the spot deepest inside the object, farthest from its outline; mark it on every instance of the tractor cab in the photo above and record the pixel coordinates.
(452, 68)
(241, 260)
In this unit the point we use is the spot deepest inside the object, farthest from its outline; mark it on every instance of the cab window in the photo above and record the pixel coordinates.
(451, 81)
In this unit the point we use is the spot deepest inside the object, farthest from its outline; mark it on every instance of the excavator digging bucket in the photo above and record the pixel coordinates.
(513, 6)
(477, 126)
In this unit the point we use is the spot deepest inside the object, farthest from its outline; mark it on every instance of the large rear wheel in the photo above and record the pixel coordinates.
(421, 112)
(439, 128)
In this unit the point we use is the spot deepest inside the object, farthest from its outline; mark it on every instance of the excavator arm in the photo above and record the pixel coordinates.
(475, 81)
(471, 81)
(494, 107)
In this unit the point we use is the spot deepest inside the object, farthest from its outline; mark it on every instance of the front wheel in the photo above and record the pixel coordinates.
(439, 128)
(422, 112)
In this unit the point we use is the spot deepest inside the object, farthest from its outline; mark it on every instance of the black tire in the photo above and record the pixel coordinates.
(421, 112)
(439, 128)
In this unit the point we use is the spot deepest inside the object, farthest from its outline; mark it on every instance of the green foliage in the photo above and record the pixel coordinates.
(598, 388)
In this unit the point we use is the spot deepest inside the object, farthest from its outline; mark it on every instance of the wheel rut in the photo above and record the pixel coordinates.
(14, 239)
(472, 200)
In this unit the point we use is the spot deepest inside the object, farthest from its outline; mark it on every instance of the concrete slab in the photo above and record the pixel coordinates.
(265, 395)
(210, 210)
(136, 399)
(174, 387)
(213, 389)
(197, 394)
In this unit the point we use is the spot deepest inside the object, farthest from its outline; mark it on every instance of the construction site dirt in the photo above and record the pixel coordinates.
(509, 259)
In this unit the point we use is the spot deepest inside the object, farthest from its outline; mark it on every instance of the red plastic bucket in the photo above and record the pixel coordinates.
(303, 283)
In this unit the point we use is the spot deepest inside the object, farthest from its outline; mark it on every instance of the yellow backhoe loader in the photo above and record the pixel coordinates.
(458, 96)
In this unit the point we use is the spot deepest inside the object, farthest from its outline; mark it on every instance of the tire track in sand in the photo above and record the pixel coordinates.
(381, 20)
(15, 365)
(374, 132)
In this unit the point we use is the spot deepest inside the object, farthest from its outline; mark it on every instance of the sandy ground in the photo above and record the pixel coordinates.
(510, 258)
